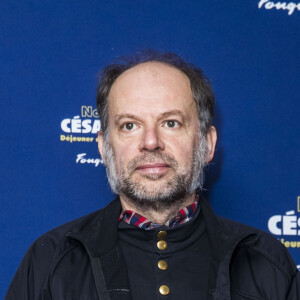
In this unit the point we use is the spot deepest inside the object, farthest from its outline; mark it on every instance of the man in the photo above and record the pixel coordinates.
(159, 239)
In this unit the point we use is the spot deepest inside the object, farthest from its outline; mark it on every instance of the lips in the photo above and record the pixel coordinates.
(153, 165)
(156, 168)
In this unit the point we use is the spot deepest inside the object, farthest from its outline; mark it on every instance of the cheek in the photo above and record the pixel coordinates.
(182, 151)
(123, 155)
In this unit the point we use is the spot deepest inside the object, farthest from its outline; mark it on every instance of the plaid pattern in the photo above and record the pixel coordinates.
(184, 215)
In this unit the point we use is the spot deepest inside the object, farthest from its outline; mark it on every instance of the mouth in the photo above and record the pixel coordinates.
(153, 168)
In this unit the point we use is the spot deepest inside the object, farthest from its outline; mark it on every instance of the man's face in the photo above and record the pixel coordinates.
(153, 151)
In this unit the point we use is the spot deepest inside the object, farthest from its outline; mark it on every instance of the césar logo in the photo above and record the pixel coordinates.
(81, 128)
(287, 225)
(80, 125)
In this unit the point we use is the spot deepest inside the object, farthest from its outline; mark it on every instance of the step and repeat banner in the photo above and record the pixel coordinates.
(51, 52)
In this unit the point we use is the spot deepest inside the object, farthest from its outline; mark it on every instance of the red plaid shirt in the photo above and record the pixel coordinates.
(184, 215)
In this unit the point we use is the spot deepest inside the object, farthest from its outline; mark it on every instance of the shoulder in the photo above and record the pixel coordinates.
(45, 254)
(59, 239)
(260, 265)
(47, 250)
(259, 241)
(59, 235)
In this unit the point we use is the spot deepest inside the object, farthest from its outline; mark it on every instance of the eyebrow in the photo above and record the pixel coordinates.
(162, 115)
(173, 112)
(123, 116)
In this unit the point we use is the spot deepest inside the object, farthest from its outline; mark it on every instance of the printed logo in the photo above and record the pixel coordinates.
(82, 159)
(290, 7)
(81, 128)
(287, 227)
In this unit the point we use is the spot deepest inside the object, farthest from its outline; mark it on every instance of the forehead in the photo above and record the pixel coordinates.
(153, 73)
(151, 84)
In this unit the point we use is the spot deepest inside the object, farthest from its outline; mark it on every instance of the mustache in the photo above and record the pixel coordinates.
(152, 157)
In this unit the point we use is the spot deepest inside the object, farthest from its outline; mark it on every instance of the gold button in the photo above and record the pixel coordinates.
(164, 290)
(161, 235)
(162, 245)
(162, 264)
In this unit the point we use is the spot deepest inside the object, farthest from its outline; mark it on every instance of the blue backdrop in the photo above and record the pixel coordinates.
(50, 54)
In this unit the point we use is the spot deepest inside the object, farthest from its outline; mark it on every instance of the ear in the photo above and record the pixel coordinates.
(211, 139)
(101, 146)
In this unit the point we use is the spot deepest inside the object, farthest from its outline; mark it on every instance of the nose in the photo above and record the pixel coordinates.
(151, 140)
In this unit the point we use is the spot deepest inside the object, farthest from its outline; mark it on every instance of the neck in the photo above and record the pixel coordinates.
(158, 217)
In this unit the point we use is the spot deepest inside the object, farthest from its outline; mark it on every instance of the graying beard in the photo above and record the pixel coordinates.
(139, 196)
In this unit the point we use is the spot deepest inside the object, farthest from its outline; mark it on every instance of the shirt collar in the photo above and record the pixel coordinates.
(184, 215)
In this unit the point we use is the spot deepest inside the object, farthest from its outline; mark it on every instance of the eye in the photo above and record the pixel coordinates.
(172, 124)
(128, 126)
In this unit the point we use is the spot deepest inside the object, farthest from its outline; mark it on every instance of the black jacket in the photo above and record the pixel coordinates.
(82, 260)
